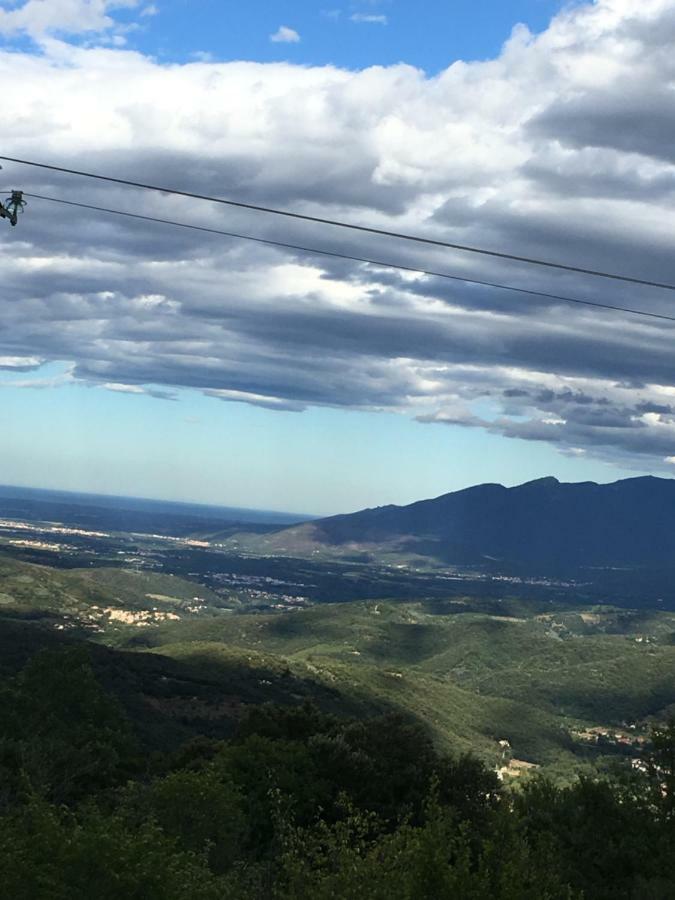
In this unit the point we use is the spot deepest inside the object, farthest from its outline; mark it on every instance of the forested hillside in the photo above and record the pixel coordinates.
(300, 804)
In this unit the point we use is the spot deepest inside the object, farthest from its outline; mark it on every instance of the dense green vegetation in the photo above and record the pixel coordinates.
(534, 674)
(341, 750)
(299, 803)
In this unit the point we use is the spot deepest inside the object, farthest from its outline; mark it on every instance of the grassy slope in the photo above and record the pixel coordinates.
(29, 588)
(133, 588)
(474, 678)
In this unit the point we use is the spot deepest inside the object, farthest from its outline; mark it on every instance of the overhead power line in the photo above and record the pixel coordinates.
(359, 259)
(348, 225)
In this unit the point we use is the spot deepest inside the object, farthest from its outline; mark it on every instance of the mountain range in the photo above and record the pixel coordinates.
(542, 525)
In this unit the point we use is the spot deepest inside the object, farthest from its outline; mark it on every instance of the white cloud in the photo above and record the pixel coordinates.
(41, 17)
(370, 18)
(124, 388)
(266, 402)
(138, 390)
(285, 35)
(20, 362)
(41, 384)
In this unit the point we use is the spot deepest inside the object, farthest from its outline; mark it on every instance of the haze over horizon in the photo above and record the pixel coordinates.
(21, 489)
(150, 361)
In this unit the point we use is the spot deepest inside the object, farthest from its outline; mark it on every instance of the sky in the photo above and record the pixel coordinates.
(143, 359)
(354, 35)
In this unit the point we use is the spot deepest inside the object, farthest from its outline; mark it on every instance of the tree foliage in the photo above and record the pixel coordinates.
(300, 805)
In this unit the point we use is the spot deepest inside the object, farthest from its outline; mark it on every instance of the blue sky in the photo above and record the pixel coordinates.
(429, 35)
(149, 361)
(321, 461)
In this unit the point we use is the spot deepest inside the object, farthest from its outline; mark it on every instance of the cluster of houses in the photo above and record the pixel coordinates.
(600, 734)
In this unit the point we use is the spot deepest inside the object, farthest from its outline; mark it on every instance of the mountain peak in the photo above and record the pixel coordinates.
(546, 481)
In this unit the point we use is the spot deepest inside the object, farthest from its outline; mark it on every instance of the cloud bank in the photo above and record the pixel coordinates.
(562, 147)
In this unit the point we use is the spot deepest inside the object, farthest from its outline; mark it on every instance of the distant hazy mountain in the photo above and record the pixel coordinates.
(543, 524)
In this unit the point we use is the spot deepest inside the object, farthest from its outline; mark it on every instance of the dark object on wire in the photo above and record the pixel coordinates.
(11, 208)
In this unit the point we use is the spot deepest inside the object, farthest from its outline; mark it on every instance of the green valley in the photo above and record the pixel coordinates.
(570, 687)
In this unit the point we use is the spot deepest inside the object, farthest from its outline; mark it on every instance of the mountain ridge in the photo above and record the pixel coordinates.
(543, 523)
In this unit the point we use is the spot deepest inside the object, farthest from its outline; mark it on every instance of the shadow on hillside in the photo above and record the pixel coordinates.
(172, 700)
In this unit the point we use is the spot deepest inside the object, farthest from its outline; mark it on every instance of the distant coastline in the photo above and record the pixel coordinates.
(36, 503)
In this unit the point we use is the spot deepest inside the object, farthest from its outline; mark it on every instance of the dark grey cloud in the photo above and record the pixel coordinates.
(598, 177)
(628, 120)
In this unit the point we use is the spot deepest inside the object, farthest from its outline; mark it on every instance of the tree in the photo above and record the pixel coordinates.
(64, 736)
(202, 811)
(49, 854)
(269, 774)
